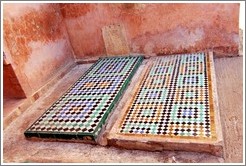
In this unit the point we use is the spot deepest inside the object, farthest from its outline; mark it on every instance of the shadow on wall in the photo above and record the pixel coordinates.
(12, 88)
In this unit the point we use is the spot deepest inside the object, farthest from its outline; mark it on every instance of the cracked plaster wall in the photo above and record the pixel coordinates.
(35, 42)
(37, 36)
(155, 29)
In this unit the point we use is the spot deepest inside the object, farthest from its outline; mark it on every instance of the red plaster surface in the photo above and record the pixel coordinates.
(86, 21)
(155, 28)
(36, 37)
(12, 88)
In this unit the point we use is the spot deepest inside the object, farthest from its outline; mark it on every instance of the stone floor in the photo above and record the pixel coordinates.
(230, 90)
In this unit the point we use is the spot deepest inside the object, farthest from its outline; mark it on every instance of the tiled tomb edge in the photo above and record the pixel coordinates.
(51, 137)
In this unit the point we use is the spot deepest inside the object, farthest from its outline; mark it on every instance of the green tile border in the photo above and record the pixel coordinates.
(116, 99)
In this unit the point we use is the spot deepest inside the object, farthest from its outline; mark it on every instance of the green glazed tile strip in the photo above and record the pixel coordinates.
(119, 94)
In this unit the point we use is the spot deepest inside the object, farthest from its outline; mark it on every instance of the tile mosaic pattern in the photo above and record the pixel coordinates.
(173, 100)
(83, 109)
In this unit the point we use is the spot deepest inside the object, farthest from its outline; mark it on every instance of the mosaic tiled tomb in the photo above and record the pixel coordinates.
(83, 109)
(173, 105)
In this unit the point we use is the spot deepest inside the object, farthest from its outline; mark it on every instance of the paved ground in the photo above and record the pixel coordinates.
(16, 148)
(229, 73)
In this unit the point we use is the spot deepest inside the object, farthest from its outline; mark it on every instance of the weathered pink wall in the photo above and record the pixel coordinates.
(37, 36)
(155, 28)
(35, 42)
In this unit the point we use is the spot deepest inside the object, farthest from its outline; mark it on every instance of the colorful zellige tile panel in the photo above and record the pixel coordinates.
(83, 109)
(173, 100)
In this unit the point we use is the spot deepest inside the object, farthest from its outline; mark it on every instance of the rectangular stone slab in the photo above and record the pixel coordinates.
(115, 41)
(174, 107)
(80, 113)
